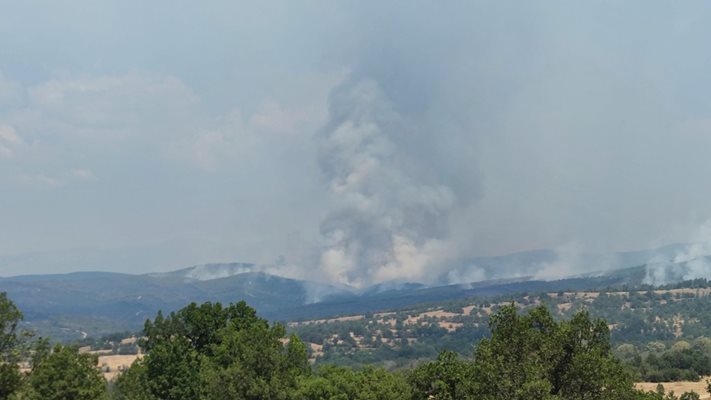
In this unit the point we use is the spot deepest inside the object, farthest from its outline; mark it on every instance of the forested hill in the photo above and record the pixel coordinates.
(69, 307)
(662, 332)
(72, 306)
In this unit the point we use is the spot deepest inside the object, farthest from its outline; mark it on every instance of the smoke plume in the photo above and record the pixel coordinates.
(390, 208)
(689, 262)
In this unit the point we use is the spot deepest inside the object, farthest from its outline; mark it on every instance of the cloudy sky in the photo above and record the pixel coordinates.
(356, 141)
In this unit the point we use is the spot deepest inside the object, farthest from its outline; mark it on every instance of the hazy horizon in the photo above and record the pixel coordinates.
(85, 260)
(359, 142)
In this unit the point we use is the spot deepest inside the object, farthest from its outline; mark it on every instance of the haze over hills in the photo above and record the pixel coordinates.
(553, 264)
(92, 303)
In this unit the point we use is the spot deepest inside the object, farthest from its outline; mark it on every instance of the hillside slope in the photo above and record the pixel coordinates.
(68, 306)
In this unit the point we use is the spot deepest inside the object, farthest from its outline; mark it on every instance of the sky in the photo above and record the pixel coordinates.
(353, 142)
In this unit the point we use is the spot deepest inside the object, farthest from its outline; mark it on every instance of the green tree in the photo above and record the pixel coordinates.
(338, 383)
(252, 363)
(65, 374)
(10, 317)
(514, 363)
(586, 368)
(447, 378)
(177, 348)
(200, 324)
(213, 352)
(533, 356)
(133, 384)
(689, 396)
(172, 370)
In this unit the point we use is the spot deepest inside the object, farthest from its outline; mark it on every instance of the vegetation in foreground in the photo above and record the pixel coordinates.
(661, 333)
(213, 352)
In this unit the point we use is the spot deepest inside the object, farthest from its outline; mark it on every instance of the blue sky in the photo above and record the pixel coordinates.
(357, 140)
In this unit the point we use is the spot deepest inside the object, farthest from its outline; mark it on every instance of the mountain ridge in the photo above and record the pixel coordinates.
(54, 303)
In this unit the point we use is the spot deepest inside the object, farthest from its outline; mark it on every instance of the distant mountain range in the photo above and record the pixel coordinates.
(69, 306)
(552, 264)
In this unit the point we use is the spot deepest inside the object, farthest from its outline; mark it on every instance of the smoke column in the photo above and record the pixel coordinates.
(690, 262)
(390, 208)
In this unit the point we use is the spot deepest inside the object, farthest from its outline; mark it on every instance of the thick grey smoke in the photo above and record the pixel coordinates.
(689, 262)
(547, 107)
(390, 206)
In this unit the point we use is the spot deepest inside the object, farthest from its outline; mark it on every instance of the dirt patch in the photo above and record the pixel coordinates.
(328, 321)
(693, 291)
(468, 309)
(450, 326)
(113, 365)
(316, 349)
(98, 352)
(131, 340)
(384, 314)
(437, 314)
(678, 326)
(392, 322)
(576, 295)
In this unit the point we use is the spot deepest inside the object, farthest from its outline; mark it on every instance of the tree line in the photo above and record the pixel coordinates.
(215, 352)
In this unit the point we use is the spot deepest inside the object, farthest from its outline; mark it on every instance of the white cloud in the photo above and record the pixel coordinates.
(273, 118)
(9, 135)
(69, 121)
(5, 152)
(11, 92)
(82, 175)
(234, 139)
(9, 139)
(160, 115)
(208, 148)
(117, 105)
(41, 181)
(60, 179)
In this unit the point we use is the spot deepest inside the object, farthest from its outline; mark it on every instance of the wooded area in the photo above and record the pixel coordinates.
(209, 351)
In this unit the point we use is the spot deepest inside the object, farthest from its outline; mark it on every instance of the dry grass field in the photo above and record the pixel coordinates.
(678, 387)
(112, 365)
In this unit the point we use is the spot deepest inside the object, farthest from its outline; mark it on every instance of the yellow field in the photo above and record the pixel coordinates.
(113, 365)
(678, 387)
